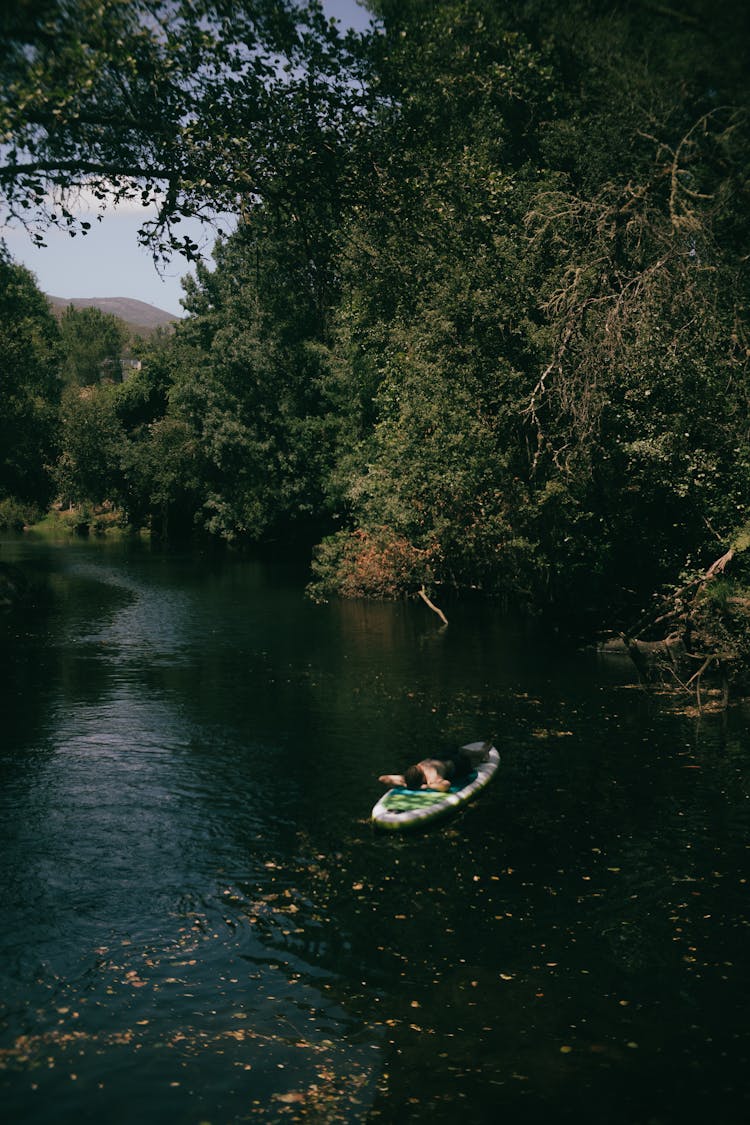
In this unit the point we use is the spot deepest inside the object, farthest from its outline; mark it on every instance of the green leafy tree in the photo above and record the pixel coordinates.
(640, 406)
(543, 324)
(29, 385)
(163, 470)
(92, 343)
(433, 342)
(250, 383)
(89, 467)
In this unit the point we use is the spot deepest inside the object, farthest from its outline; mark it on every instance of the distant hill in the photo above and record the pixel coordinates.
(138, 315)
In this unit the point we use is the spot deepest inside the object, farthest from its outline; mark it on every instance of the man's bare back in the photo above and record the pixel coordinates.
(436, 773)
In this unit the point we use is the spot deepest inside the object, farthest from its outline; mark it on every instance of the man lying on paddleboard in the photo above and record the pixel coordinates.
(438, 773)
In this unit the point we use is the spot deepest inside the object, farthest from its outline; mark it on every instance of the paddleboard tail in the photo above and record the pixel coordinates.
(477, 752)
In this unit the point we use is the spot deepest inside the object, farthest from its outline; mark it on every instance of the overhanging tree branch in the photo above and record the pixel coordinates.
(181, 96)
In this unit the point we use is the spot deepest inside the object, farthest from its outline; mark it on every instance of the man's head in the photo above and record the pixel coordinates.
(414, 777)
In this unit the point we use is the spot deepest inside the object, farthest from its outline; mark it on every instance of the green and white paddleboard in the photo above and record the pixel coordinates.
(399, 808)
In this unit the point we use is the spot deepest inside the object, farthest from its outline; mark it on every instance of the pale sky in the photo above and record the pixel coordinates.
(108, 262)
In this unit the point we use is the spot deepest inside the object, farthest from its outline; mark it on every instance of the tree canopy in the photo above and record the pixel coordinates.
(92, 342)
(29, 386)
(483, 321)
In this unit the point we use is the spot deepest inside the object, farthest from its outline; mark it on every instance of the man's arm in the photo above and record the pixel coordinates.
(391, 779)
(441, 784)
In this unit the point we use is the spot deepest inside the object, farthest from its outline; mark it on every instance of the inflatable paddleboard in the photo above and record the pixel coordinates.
(409, 808)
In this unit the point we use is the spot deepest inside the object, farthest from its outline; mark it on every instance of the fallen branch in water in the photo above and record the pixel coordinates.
(697, 677)
(423, 595)
(688, 609)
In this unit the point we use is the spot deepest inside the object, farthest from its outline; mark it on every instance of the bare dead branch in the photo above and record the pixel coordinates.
(423, 595)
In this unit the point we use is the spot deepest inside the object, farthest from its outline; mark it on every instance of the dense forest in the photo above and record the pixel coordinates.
(483, 321)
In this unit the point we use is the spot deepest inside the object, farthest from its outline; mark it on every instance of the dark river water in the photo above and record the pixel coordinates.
(198, 923)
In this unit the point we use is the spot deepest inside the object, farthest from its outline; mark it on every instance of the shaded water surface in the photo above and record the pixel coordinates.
(198, 923)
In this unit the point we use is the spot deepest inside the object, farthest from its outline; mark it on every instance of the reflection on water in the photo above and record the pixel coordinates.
(199, 924)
